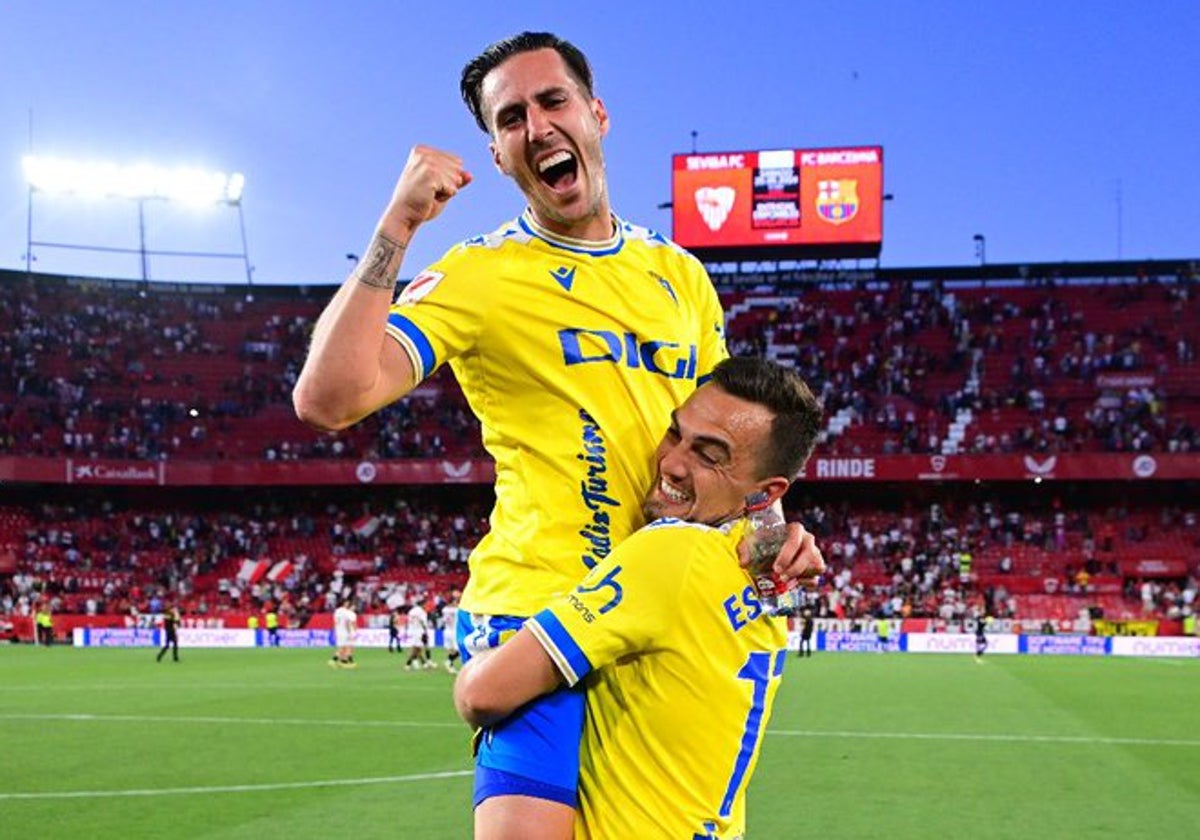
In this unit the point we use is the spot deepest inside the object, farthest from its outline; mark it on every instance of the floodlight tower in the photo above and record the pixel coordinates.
(141, 183)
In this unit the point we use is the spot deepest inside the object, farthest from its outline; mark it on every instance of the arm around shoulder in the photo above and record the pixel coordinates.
(493, 686)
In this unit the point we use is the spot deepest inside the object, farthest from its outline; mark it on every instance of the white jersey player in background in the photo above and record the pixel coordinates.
(450, 634)
(418, 626)
(345, 625)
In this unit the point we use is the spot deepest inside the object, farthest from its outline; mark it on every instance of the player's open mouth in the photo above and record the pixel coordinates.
(559, 170)
(676, 497)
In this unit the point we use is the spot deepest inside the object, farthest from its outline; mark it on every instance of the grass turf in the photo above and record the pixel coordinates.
(252, 743)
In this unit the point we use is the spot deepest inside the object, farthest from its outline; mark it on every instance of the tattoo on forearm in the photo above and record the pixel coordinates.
(380, 268)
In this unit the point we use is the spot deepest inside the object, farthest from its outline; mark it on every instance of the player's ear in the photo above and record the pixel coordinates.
(497, 159)
(601, 115)
(767, 492)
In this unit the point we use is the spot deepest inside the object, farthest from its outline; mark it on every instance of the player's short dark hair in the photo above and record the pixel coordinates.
(798, 413)
(496, 54)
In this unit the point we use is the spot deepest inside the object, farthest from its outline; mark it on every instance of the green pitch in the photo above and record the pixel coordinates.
(273, 743)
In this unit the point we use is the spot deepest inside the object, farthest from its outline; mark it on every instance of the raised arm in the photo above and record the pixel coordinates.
(493, 686)
(353, 369)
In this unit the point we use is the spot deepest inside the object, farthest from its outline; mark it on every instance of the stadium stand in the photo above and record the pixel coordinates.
(889, 551)
(942, 362)
(939, 366)
(188, 372)
(233, 550)
(901, 551)
(1000, 367)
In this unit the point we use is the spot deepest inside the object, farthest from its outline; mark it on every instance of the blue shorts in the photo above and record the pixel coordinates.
(535, 751)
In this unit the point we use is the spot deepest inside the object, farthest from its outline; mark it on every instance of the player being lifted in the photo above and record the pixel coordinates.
(573, 334)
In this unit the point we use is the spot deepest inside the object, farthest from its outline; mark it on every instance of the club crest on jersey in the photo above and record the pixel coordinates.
(837, 201)
(420, 286)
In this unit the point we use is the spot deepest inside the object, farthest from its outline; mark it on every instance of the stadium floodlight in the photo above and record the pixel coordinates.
(141, 181)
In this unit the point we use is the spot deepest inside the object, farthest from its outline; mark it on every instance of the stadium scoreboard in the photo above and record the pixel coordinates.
(779, 204)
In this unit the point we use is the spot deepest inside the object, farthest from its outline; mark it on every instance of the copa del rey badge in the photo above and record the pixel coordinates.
(837, 200)
(420, 286)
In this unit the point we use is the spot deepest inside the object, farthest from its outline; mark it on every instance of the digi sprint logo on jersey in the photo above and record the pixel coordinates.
(666, 358)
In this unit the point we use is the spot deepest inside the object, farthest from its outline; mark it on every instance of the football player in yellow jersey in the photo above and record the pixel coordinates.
(573, 335)
(680, 661)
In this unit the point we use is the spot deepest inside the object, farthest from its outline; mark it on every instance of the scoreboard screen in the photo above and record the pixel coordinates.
(779, 204)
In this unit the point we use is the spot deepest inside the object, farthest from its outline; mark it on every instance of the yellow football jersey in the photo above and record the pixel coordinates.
(682, 666)
(572, 355)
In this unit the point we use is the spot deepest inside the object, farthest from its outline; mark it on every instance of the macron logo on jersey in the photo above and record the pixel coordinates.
(564, 276)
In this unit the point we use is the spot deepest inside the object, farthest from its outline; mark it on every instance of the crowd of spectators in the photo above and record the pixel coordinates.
(417, 426)
(124, 373)
(96, 556)
(151, 376)
(130, 373)
(1029, 361)
(944, 560)
(101, 377)
(928, 559)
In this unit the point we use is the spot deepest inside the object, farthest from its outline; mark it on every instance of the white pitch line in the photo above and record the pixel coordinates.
(190, 791)
(966, 736)
(89, 718)
(792, 733)
(1171, 663)
(206, 686)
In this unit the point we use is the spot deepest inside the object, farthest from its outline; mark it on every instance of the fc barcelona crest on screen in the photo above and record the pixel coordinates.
(837, 201)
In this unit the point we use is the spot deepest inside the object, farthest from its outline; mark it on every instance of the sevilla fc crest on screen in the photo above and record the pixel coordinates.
(714, 204)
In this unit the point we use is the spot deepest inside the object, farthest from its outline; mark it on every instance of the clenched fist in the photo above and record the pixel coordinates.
(430, 178)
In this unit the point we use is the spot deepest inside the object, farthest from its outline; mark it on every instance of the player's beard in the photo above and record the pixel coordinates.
(651, 510)
(590, 177)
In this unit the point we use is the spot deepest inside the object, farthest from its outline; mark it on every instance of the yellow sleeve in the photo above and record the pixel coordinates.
(624, 605)
(440, 313)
